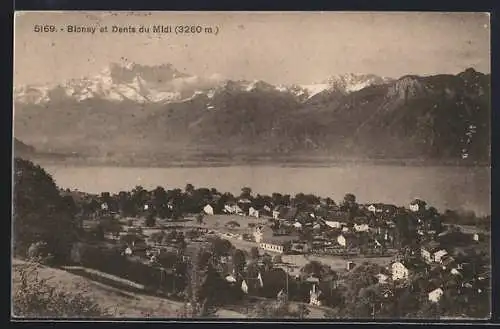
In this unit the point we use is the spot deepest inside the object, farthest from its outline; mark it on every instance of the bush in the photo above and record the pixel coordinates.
(34, 297)
(150, 221)
(37, 250)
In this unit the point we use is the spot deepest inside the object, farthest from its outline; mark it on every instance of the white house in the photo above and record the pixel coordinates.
(429, 250)
(230, 278)
(128, 251)
(438, 255)
(257, 234)
(244, 287)
(399, 271)
(417, 205)
(435, 295)
(274, 247)
(382, 278)
(314, 294)
(372, 208)
(361, 227)
(232, 209)
(341, 240)
(297, 225)
(208, 209)
(332, 224)
(253, 212)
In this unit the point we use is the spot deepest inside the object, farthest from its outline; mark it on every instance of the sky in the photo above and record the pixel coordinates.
(293, 47)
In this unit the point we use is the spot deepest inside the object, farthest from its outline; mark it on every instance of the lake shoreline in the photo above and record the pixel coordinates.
(313, 162)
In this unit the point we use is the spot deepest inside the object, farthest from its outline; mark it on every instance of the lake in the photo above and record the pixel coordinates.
(442, 187)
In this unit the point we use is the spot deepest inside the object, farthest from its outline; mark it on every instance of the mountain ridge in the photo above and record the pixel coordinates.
(440, 116)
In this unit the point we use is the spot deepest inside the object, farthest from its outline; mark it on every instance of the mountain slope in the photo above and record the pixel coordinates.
(434, 117)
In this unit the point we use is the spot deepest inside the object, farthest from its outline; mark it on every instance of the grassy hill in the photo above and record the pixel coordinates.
(121, 298)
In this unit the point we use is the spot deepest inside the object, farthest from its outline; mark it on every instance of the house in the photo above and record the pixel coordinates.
(208, 209)
(244, 204)
(432, 253)
(277, 211)
(477, 237)
(299, 247)
(341, 240)
(374, 208)
(417, 205)
(333, 224)
(233, 209)
(350, 265)
(314, 294)
(438, 255)
(382, 278)
(435, 295)
(253, 212)
(400, 271)
(340, 216)
(361, 227)
(277, 247)
(297, 225)
(447, 262)
(258, 234)
(381, 209)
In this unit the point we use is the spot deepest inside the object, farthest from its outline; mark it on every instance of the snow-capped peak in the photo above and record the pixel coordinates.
(163, 83)
(351, 82)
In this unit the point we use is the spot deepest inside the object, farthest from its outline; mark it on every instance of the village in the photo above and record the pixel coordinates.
(302, 249)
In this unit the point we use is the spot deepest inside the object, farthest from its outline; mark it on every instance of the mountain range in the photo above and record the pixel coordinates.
(159, 112)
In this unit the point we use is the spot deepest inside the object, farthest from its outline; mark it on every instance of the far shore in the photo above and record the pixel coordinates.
(242, 160)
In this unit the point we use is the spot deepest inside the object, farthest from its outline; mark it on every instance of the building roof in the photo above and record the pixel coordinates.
(431, 246)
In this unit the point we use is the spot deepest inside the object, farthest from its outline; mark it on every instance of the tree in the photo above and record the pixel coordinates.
(254, 253)
(40, 214)
(350, 205)
(246, 192)
(317, 269)
(150, 220)
(168, 259)
(239, 261)
(267, 261)
(199, 219)
(157, 237)
(160, 201)
(221, 247)
(189, 189)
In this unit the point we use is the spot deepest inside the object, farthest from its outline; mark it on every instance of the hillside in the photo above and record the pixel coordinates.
(441, 117)
(22, 149)
(121, 302)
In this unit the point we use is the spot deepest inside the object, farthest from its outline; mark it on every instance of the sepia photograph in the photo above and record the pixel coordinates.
(251, 165)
